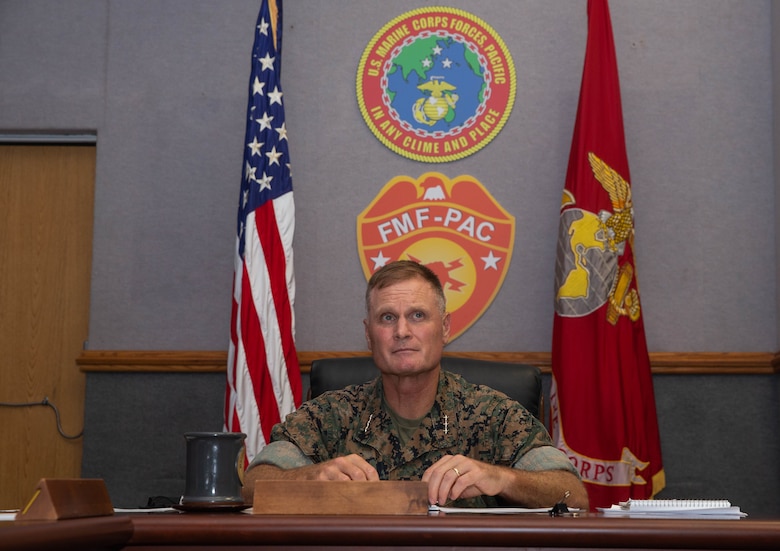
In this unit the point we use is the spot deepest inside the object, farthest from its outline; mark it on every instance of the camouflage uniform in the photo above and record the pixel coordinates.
(472, 420)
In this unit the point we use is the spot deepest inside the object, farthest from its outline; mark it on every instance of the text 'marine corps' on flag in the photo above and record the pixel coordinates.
(263, 379)
(602, 399)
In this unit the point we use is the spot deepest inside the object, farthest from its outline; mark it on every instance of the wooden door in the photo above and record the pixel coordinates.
(46, 206)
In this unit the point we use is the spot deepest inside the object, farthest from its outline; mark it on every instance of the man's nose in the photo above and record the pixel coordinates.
(401, 328)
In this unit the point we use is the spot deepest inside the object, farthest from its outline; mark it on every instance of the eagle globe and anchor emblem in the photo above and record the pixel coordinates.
(436, 84)
(440, 104)
(590, 247)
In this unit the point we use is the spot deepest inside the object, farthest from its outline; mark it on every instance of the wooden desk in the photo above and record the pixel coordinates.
(177, 532)
(96, 533)
(158, 532)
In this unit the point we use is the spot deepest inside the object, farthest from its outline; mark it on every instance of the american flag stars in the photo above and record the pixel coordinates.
(267, 172)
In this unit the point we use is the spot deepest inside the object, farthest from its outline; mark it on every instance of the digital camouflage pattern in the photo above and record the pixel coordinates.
(472, 420)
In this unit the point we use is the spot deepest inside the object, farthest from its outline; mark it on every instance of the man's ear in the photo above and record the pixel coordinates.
(368, 339)
(445, 328)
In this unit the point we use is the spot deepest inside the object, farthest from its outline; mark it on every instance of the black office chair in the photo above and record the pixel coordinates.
(520, 382)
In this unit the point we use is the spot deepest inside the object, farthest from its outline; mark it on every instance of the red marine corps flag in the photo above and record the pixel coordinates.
(602, 400)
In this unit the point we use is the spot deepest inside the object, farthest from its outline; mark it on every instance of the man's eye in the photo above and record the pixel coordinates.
(418, 315)
(387, 317)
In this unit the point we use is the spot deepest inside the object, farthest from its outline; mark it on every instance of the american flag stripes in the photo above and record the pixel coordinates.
(263, 375)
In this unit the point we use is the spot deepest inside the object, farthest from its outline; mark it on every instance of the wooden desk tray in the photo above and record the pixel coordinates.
(314, 497)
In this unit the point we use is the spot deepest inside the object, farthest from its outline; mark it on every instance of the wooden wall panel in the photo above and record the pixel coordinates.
(46, 201)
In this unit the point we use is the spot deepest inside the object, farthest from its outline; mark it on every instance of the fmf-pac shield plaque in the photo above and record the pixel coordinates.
(436, 84)
(454, 227)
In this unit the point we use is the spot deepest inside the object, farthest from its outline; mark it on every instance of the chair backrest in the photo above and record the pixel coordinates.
(521, 382)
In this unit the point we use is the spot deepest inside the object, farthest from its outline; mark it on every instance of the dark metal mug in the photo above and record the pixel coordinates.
(215, 464)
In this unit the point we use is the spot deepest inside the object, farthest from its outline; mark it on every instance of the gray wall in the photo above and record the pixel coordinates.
(163, 85)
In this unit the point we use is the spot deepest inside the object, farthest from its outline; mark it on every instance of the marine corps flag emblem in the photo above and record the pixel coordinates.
(602, 399)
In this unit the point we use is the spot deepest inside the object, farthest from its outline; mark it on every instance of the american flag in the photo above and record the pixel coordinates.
(263, 375)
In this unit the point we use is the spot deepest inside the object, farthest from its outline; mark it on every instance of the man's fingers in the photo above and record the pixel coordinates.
(442, 477)
(362, 469)
(351, 467)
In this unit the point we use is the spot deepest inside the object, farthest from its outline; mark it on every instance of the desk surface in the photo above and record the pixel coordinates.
(236, 530)
(110, 532)
(464, 531)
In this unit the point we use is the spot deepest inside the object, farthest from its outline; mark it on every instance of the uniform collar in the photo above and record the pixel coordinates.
(438, 429)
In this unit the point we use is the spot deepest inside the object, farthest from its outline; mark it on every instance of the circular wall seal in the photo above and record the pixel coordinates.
(436, 84)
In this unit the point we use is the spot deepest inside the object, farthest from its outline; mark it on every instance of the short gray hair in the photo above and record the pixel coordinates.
(404, 270)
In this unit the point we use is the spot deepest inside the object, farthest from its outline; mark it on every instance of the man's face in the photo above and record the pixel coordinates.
(405, 329)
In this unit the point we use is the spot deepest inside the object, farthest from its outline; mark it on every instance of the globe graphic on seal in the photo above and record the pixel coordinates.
(436, 85)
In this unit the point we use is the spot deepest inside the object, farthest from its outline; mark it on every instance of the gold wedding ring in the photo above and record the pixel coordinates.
(457, 472)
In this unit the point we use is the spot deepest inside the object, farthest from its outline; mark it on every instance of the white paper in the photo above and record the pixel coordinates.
(668, 509)
(492, 510)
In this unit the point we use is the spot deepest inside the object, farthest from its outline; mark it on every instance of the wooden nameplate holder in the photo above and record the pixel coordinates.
(63, 498)
(315, 497)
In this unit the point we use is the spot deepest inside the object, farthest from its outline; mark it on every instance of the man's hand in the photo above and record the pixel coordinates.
(350, 467)
(456, 476)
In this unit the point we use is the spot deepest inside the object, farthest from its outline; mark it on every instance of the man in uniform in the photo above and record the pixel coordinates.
(473, 445)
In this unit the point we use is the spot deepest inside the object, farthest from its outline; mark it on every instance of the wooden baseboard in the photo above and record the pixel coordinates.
(211, 361)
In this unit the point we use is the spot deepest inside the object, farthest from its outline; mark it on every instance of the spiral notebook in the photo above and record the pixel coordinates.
(675, 507)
